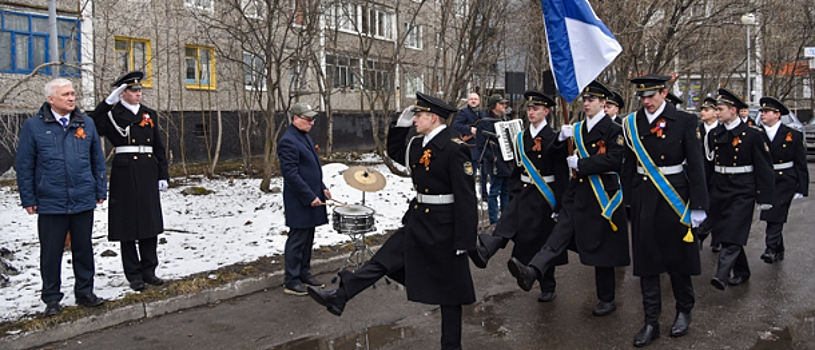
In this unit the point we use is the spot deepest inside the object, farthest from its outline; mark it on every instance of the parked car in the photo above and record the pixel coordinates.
(809, 136)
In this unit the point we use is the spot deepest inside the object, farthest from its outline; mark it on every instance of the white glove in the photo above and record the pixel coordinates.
(765, 206)
(555, 216)
(116, 95)
(572, 160)
(798, 196)
(163, 185)
(566, 132)
(697, 217)
(459, 251)
(405, 119)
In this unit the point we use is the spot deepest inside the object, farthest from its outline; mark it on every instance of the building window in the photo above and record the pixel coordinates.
(199, 67)
(134, 54)
(24, 44)
(413, 36)
(413, 84)
(342, 16)
(377, 76)
(253, 8)
(460, 7)
(297, 76)
(377, 23)
(341, 72)
(199, 4)
(254, 72)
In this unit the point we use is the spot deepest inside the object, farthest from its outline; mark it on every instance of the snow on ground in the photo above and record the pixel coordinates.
(236, 223)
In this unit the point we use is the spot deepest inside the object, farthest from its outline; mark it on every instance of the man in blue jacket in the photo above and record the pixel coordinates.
(61, 176)
(304, 195)
(466, 123)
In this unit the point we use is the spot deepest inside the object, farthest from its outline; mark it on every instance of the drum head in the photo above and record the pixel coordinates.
(354, 210)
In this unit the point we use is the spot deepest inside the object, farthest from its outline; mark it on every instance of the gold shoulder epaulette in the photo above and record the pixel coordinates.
(459, 141)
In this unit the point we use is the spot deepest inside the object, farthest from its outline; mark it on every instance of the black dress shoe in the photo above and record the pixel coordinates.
(604, 308)
(51, 309)
(298, 290)
(525, 275)
(90, 300)
(137, 285)
(719, 284)
(681, 324)
(328, 298)
(770, 256)
(766, 255)
(311, 281)
(479, 256)
(153, 281)
(737, 280)
(646, 335)
(546, 297)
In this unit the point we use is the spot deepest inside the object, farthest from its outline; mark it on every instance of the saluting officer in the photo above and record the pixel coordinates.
(600, 235)
(665, 182)
(789, 160)
(427, 255)
(138, 173)
(742, 177)
(543, 175)
(614, 106)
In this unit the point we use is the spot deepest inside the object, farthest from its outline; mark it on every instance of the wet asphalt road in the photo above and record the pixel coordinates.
(774, 310)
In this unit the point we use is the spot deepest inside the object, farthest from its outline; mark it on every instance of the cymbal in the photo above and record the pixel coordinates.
(364, 178)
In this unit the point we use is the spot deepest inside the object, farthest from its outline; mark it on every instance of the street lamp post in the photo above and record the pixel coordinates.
(749, 20)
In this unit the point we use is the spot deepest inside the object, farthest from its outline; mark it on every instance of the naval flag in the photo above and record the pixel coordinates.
(580, 45)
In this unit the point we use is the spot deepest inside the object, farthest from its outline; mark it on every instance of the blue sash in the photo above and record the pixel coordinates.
(607, 205)
(542, 186)
(662, 184)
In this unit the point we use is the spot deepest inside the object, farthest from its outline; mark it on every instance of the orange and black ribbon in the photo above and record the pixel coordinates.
(658, 129)
(537, 146)
(735, 141)
(146, 120)
(425, 160)
(80, 133)
(789, 137)
(601, 147)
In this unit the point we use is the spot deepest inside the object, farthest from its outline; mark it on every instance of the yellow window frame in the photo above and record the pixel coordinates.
(197, 85)
(131, 59)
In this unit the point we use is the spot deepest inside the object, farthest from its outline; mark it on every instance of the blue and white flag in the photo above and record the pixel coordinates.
(580, 45)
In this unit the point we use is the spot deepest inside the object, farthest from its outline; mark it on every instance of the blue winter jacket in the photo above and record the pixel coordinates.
(61, 171)
(302, 180)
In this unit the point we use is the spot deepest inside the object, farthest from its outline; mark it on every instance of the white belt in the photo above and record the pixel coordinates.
(733, 169)
(546, 178)
(782, 166)
(665, 170)
(134, 149)
(435, 198)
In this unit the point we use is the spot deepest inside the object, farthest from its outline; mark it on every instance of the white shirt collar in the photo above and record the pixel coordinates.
(734, 124)
(659, 111)
(710, 126)
(58, 116)
(132, 108)
(432, 134)
(535, 130)
(593, 120)
(772, 130)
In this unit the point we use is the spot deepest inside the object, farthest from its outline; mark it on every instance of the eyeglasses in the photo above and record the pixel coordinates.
(308, 119)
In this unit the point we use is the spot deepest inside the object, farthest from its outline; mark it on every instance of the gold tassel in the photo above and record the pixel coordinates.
(613, 226)
(688, 236)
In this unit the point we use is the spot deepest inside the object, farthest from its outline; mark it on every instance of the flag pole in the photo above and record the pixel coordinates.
(569, 145)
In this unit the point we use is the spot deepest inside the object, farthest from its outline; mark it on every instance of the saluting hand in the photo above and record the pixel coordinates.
(116, 95)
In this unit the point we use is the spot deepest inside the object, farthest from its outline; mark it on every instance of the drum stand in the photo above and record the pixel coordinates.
(357, 257)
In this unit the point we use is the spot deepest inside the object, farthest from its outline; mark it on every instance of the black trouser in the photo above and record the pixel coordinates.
(774, 239)
(603, 276)
(732, 258)
(450, 327)
(604, 282)
(140, 264)
(652, 296)
(297, 255)
(52, 230)
(547, 278)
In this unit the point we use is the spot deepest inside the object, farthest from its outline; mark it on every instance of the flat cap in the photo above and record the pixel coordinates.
(648, 85)
(132, 79)
(426, 103)
(773, 104)
(538, 98)
(598, 90)
(729, 98)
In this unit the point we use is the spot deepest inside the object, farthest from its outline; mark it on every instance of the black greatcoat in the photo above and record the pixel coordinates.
(788, 146)
(733, 196)
(135, 208)
(657, 231)
(427, 263)
(597, 244)
(528, 219)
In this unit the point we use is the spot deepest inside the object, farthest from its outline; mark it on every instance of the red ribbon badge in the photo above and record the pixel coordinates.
(658, 129)
(146, 120)
(425, 160)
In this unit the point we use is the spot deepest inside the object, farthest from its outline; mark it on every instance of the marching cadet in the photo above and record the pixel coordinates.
(530, 217)
(789, 160)
(665, 182)
(614, 106)
(708, 121)
(744, 114)
(588, 215)
(742, 177)
(138, 173)
(427, 255)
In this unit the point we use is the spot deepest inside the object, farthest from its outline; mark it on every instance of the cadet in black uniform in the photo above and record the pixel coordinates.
(707, 122)
(742, 177)
(789, 159)
(673, 99)
(530, 217)
(427, 255)
(614, 106)
(138, 173)
(601, 236)
(665, 182)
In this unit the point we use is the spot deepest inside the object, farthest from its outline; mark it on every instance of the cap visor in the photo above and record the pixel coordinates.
(310, 114)
(646, 93)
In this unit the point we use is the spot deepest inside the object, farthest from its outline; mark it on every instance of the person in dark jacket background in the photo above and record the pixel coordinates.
(61, 177)
(138, 173)
(304, 196)
(494, 162)
(466, 123)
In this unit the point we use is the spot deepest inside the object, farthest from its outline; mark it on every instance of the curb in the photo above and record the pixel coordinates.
(140, 311)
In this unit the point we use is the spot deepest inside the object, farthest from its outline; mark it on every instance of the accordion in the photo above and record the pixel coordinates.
(506, 138)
